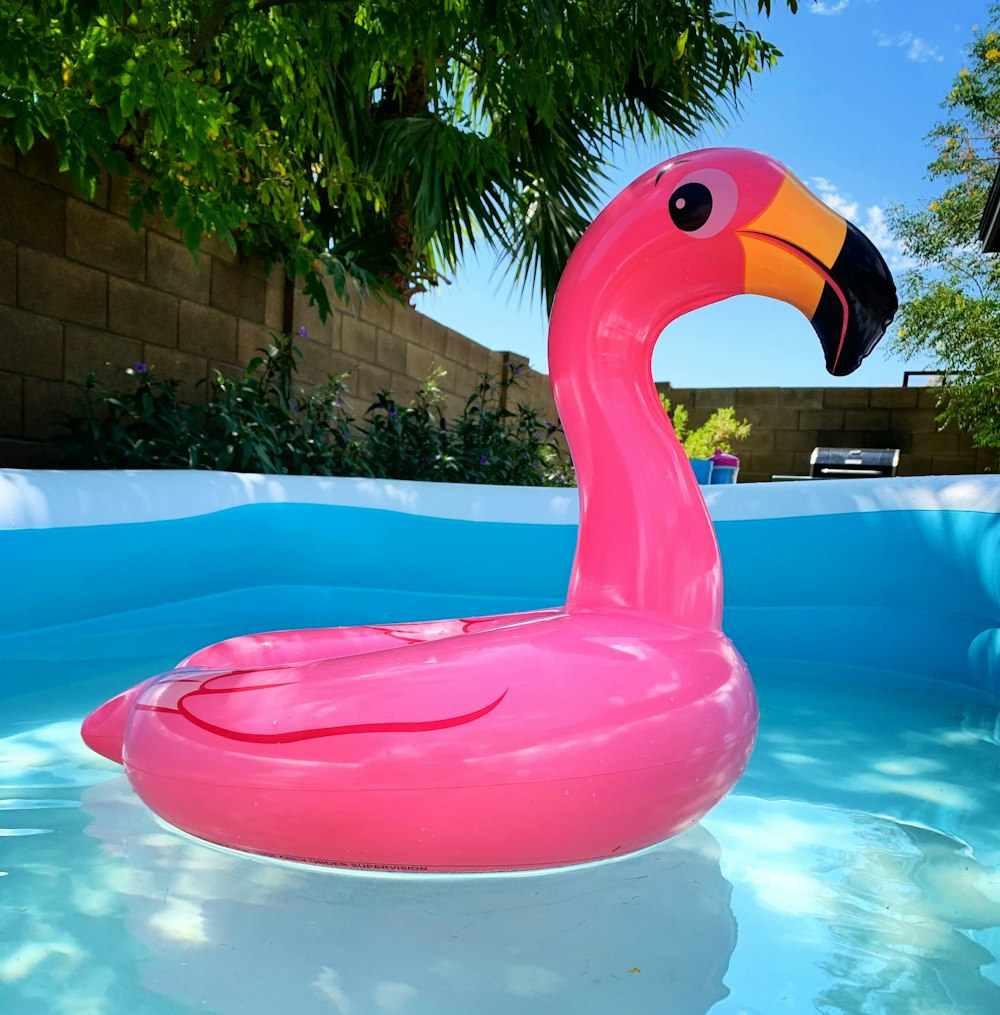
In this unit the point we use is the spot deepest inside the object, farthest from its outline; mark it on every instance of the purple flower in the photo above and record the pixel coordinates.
(139, 367)
(392, 412)
(482, 459)
(303, 333)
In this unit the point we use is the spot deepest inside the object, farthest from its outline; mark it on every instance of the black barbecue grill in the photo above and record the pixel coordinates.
(853, 463)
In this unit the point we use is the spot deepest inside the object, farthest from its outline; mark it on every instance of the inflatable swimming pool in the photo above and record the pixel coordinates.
(861, 843)
(840, 579)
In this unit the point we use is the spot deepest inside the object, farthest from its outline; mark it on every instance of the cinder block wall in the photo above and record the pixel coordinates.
(787, 423)
(80, 288)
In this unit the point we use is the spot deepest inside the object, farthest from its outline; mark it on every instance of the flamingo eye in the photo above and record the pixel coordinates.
(690, 206)
(704, 202)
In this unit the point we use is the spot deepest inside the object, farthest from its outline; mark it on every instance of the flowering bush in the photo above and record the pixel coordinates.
(260, 422)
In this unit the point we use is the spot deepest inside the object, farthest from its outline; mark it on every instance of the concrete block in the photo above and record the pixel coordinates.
(46, 402)
(31, 213)
(8, 273)
(420, 361)
(769, 418)
(390, 351)
(821, 419)
(141, 312)
(759, 440)
(404, 387)
(55, 287)
(185, 367)
(206, 332)
(16, 453)
(109, 354)
(801, 463)
(30, 344)
(710, 398)
(916, 465)
(866, 419)
(41, 163)
(965, 441)
(987, 459)
(747, 398)
(843, 439)
(930, 398)
(846, 398)
(434, 336)
(252, 338)
(464, 380)
(406, 322)
(119, 201)
(341, 363)
(801, 398)
(171, 268)
(316, 364)
(456, 347)
(238, 288)
(11, 406)
(914, 420)
(942, 442)
(274, 306)
(893, 398)
(218, 249)
(306, 315)
(478, 357)
(795, 440)
(103, 240)
(950, 465)
(369, 379)
(357, 339)
(377, 311)
(453, 407)
(768, 463)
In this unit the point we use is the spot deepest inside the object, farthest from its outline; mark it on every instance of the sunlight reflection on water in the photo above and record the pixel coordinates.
(854, 870)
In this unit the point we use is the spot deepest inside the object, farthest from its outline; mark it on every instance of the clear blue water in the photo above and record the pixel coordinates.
(853, 870)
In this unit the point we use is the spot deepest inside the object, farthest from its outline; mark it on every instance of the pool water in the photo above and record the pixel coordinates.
(854, 869)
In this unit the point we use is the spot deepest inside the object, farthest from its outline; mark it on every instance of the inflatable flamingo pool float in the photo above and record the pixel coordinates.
(538, 739)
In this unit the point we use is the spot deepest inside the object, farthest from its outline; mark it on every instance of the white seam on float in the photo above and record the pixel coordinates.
(38, 499)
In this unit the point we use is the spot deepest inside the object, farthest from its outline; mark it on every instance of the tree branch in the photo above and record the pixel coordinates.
(208, 29)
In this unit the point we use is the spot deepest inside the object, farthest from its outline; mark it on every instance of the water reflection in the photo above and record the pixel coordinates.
(906, 902)
(228, 933)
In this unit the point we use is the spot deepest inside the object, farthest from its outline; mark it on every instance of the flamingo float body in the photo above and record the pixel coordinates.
(548, 738)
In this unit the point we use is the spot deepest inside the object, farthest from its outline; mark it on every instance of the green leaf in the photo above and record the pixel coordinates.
(24, 136)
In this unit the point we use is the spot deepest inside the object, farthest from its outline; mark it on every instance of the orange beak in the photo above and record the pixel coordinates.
(801, 251)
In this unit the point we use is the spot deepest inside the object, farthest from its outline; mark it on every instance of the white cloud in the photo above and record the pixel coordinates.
(870, 220)
(828, 6)
(917, 49)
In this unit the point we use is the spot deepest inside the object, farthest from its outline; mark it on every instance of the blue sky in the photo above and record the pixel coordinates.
(847, 110)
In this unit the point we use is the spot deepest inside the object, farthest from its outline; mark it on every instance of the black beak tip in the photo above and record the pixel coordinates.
(865, 287)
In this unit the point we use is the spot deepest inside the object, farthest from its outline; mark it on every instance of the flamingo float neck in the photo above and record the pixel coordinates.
(646, 541)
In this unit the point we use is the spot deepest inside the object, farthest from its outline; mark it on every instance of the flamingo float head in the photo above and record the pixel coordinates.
(723, 222)
(694, 230)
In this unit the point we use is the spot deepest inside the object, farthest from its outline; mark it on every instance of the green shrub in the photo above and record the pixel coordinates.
(260, 422)
(717, 433)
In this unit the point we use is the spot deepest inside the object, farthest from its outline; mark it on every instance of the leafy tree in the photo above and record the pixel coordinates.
(369, 140)
(950, 306)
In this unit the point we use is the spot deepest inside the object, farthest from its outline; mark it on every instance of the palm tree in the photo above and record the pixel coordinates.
(371, 141)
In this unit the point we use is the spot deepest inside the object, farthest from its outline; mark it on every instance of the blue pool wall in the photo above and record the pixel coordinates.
(889, 581)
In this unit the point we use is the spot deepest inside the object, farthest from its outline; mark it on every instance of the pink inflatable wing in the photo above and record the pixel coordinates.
(553, 737)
